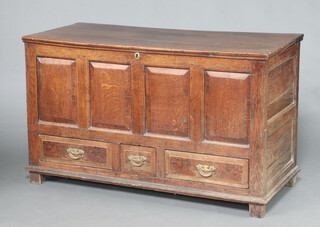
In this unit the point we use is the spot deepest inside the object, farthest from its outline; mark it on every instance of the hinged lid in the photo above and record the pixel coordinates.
(243, 45)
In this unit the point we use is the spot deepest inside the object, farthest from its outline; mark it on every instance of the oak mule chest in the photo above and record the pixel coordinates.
(206, 114)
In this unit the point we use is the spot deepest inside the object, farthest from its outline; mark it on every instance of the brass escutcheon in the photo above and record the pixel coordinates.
(137, 55)
(75, 153)
(205, 170)
(137, 160)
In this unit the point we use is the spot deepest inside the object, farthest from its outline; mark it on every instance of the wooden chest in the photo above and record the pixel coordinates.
(207, 114)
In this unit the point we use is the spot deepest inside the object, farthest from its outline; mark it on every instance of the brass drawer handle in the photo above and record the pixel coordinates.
(75, 153)
(205, 170)
(137, 160)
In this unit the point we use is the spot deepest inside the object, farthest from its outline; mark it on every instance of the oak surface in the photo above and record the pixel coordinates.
(167, 101)
(110, 93)
(138, 160)
(227, 105)
(95, 154)
(227, 171)
(255, 45)
(208, 114)
(57, 90)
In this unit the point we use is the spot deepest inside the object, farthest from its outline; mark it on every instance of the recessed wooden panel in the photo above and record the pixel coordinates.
(226, 171)
(57, 90)
(95, 154)
(167, 101)
(279, 149)
(227, 107)
(280, 79)
(138, 160)
(110, 95)
(281, 102)
(281, 87)
(280, 143)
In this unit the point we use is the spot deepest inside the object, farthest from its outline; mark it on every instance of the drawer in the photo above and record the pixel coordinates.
(138, 160)
(207, 169)
(76, 152)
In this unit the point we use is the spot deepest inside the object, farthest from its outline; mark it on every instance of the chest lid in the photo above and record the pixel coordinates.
(243, 45)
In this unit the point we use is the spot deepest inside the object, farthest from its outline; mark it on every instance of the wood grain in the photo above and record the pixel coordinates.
(167, 101)
(281, 102)
(83, 93)
(173, 143)
(96, 154)
(110, 93)
(197, 104)
(199, 192)
(144, 179)
(280, 79)
(36, 178)
(279, 149)
(227, 106)
(32, 103)
(138, 98)
(280, 145)
(57, 89)
(228, 171)
(148, 168)
(282, 120)
(221, 99)
(257, 210)
(257, 139)
(241, 44)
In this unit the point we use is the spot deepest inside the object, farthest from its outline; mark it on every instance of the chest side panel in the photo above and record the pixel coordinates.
(282, 102)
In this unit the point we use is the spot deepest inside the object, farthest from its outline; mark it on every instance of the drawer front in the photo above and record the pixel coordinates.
(76, 152)
(138, 160)
(207, 169)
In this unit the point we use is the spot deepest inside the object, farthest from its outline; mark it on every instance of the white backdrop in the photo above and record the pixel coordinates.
(18, 18)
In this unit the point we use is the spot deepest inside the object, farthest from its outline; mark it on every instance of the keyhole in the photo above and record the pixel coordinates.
(136, 56)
